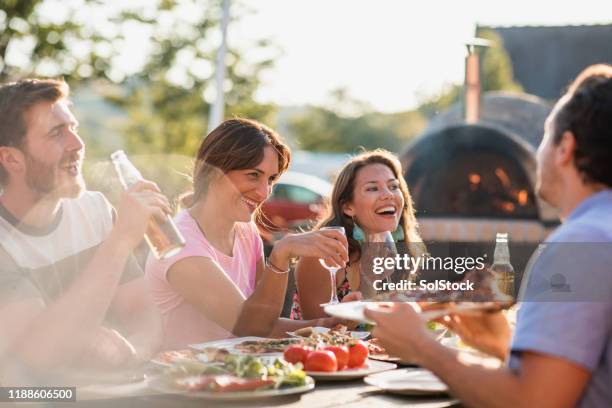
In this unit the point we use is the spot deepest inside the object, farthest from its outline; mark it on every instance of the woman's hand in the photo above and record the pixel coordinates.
(329, 245)
(485, 331)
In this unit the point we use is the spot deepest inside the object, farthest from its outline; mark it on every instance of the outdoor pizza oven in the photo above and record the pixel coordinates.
(476, 171)
(472, 173)
(470, 181)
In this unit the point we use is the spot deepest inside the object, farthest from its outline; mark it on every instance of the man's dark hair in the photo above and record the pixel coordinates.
(587, 113)
(15, 99)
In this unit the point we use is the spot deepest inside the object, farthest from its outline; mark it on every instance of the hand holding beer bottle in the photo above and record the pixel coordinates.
(144, 210)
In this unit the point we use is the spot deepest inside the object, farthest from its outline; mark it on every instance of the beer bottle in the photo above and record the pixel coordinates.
(501, 268)
(163, 238)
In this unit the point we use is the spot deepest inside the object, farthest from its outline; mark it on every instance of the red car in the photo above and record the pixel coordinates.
(296, 201)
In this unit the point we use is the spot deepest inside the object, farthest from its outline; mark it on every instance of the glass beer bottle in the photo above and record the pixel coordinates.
(501, 268)
(163, 238)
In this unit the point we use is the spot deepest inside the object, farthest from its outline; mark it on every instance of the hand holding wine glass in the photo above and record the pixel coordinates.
(330, 245)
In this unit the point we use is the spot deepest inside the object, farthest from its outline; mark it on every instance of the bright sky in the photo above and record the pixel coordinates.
(384, 52)
(389, 54)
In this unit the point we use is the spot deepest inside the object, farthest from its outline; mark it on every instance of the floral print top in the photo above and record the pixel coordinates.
(296, 313)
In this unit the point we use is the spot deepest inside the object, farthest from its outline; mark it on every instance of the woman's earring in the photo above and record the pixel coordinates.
(358, 234)
(398, 234)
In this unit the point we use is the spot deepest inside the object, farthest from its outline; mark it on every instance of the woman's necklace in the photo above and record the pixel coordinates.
(226, 251)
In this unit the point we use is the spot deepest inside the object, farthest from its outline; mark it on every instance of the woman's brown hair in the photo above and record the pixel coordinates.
(236, 144)
(343, 193)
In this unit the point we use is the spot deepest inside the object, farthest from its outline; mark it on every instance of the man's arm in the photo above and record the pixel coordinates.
(543, 380)
(63, 329)
(137, 317)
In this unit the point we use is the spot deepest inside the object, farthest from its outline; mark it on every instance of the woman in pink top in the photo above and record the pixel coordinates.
(219, 285)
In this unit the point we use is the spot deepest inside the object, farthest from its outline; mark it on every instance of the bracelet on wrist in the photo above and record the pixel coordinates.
(275, 268)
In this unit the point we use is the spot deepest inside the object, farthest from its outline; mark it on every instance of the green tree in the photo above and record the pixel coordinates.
(326, 130)
(496, 65)
(32, 43)
(158, 114)
(434, 104)
(497, 75)
(165, 102)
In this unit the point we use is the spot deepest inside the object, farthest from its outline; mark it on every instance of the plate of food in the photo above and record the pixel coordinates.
(339, 331)
(486, 297)
(378, 351)
(408, 381)
(435, 310)
(246, 345)
(170, 357)
(335, 361)
(238, 378)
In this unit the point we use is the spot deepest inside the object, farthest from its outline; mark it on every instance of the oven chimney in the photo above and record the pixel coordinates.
(471, 105)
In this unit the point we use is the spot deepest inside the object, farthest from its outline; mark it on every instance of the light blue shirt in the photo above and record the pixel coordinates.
(566, 304)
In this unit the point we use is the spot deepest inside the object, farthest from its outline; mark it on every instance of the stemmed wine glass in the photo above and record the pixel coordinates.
(376, 245)
(332, 270)
(389, 250)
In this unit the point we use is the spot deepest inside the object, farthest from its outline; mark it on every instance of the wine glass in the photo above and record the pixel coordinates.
(389, 250)
(376, 245)
(332, 270)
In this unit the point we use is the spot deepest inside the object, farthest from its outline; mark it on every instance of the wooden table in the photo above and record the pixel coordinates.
(354, 393)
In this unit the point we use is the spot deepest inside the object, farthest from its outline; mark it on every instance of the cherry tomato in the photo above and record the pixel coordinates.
(296, 353)
(342, 355)
(321, 360)
(358, 353)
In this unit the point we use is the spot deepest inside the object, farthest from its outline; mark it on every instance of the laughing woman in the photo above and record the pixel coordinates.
(220, 285)
(370, 197)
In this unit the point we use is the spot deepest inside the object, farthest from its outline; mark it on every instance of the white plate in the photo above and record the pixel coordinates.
(160, 384)
(360, 335)
(229, 345)
(354, 310)
(408, 381)
(371, 367)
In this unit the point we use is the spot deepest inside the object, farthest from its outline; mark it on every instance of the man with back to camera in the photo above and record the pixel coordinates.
(561, 353)
(72, 296)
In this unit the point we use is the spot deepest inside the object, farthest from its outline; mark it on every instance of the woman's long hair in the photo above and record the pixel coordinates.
(235, 144)
(343, 193)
